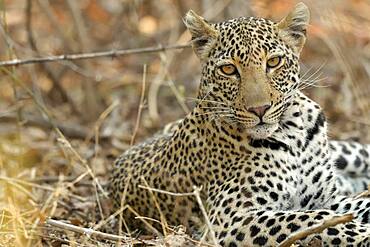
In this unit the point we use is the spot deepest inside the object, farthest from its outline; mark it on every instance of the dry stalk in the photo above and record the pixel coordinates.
(154, 88)
(166, 192)
(42, 108)
(79, 178)
(155, 200)
(13, 181)
(72, 131)
(55, 179)
(112, 216)
(52, 199)
(364, 194)
(46, 8)
(196, 193)
(68, 145)
(317, 228)
(54, 77)
(98, 201)
(90, 55)
(166, 60)
(123, 199)
(92, 100)
(150, 227)
(99, 123)
(141, 106)
(19, 187)
(180, 99)
(14, 210)
(205, 215)
(88, 231)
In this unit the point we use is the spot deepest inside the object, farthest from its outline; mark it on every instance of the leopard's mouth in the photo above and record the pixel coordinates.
(254, 127)
(260, 131)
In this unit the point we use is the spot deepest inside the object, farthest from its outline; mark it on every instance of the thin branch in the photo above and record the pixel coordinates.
(162, 217)
(54, 77)
(88, 231)
(62, 139)
(165, 191)
(82, 56)
(34, 185)
(123, 199)
(146, 223)
(205, 215)
(93, 103)
(46, 8)
(317, 228)
(196, 194)
(141, 106)
(72, 131)
(56, 179)
(364, 194)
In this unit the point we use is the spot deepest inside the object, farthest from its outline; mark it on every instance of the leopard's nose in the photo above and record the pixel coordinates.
(259, 111)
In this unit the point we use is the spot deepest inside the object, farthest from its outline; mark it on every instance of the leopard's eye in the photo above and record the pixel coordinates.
(228, 69)
(274, 62)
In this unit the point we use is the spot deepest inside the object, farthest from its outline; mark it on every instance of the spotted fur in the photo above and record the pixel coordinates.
(264, 175)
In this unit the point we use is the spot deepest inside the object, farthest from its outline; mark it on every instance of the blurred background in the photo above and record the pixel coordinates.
(63, 123)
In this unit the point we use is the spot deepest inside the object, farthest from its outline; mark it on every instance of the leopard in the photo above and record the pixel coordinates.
(255, 148)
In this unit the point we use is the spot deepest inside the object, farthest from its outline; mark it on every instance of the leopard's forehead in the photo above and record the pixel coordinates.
(248, 39)
(247, 24)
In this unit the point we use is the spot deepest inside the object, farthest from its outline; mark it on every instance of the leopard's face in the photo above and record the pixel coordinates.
(250, 69)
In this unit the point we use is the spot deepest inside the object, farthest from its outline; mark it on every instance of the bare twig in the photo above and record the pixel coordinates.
(205, 215)
(55, 179)
(99, 123)
(82, 56)
(72, 131)
(62, 139)
(317, 228)
(155, 200)
(47, 9)
(92, 100)
(88, 231)
(54, 77)
(364, 194)
(141, 106)
(173, 231)
(21, 182)
(146, 223)
(196, 193)
(78, 21)
(123, 198)
(166, 192)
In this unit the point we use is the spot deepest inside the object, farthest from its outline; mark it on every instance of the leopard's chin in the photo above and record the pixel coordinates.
(261, 131)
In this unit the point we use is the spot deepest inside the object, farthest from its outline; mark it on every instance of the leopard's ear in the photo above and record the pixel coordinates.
(294, 26)
(202, 33)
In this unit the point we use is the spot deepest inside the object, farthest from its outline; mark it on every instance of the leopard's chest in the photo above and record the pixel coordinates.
(273, 174)
(258, 177)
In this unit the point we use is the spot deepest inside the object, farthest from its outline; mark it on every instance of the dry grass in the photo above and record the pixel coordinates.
(62, 123)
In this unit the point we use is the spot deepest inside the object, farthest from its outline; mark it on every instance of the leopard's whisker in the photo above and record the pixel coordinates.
(211, 112)
(205, 100)
(305, 73)
(314, 78)
(312, 84)
(213, 107)
(315, 73)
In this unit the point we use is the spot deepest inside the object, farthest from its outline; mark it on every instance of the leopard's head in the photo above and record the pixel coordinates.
(250, 67)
